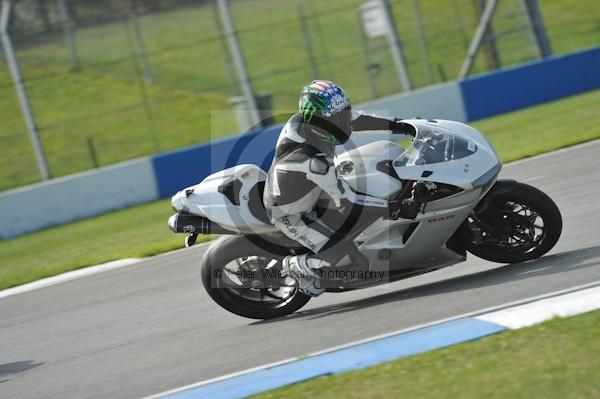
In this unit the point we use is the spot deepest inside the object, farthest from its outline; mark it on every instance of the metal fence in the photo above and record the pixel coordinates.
(112, 80)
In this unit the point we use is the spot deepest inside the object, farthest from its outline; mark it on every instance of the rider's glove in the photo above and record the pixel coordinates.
(407, 209)
(399, 127)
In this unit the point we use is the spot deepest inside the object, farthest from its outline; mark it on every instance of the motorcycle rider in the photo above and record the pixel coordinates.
(303, 170)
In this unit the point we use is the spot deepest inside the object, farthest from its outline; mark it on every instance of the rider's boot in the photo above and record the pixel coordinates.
(304, 270)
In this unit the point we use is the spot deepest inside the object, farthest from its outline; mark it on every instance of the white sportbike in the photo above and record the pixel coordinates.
(464, 208)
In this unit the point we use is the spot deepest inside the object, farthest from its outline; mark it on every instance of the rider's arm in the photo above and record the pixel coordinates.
(323, 174)
(362, 121)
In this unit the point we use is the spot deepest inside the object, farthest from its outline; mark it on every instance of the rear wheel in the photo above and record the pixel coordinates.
(245, 279)
(519, 225)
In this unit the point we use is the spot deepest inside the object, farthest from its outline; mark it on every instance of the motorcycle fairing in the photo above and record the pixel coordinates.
(232, 198)
(229, 197)
(463, 171)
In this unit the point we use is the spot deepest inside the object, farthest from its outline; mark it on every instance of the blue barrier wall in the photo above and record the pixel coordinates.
(145, 180)
(182, 168)
(186, 167)
(535, 83)
(77, 196)
(474, 98)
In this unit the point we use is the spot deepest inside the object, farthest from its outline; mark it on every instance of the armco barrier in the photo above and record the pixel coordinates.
(178, 169)
(76, 197)
(535, 83)
(90, 193)
(442, 101)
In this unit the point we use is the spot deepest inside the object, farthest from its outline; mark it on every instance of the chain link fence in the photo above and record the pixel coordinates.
(111, 80)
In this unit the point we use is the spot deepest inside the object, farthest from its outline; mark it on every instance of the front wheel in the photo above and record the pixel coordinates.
(245, 279)
(519, 225)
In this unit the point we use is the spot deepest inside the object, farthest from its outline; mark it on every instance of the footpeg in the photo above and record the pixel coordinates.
(190, 240)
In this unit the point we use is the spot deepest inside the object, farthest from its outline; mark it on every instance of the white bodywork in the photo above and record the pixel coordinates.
(461, 172)
(389, 244)
(204, 199)
(365, 177)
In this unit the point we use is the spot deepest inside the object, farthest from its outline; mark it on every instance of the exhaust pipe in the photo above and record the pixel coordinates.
(192, 224)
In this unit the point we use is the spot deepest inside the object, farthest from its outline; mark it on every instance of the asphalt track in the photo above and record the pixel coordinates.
(150, 327)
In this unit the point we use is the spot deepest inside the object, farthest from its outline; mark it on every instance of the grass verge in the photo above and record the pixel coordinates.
(105, 102)
(135, 232)
(556, 359)
(142, 230)
(119, 129)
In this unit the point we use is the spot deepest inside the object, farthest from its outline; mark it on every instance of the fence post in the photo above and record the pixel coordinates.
(442, 72)
(489, 42)
(395, 46)
(92, 151)
(423, 40)
(69, 36)
(142, 86)
(369, 67)
(307, 43)
(137, 30)
(15, 72)
(458, 17)
(235, 88)
(478, 37)
(537, 28)
(238, 59)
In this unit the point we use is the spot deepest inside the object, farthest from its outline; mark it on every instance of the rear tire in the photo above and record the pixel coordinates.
(230, 249)
(530, 202)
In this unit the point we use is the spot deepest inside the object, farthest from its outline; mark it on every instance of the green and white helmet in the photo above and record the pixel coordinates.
(325, 105)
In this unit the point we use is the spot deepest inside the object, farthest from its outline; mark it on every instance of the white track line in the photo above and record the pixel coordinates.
(68, 276)
(546, 309)
(381, 336)
(84, 272)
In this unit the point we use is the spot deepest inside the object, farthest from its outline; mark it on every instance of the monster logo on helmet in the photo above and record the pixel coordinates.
(321, 103)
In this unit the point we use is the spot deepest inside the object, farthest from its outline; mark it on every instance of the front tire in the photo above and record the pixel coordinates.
(526, 224)
(234, 290)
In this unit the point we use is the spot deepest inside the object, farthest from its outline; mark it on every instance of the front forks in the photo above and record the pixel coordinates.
(479, 227)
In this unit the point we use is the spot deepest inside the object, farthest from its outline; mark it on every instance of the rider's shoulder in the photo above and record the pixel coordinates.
(291, 129)
(294, 121)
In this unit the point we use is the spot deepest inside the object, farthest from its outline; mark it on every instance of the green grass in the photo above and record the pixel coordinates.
(103, 101)
(544, 128)
(556, 359)
(142, 230)
(119, 131)
(135, 232)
